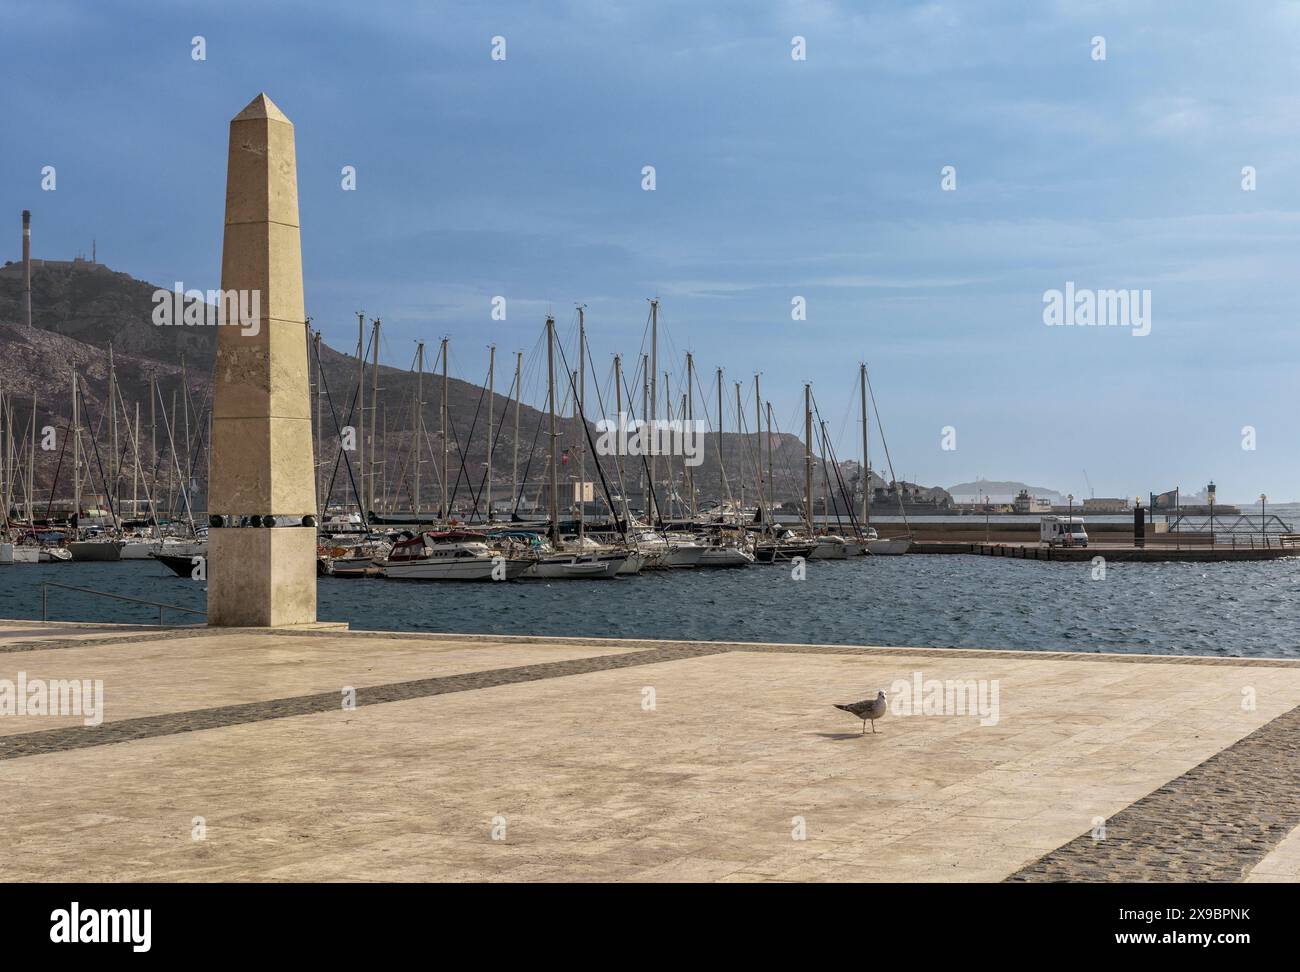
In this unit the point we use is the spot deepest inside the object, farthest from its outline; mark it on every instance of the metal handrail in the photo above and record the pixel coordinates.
(45, 614)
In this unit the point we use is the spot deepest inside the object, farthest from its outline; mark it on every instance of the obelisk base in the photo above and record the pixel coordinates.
(247, 564)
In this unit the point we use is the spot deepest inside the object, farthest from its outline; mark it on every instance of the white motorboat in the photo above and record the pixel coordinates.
(54, 555)
(450, 555)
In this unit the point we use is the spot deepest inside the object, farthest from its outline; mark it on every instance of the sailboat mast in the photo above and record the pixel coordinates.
(581, 405)
(550, 408)
(419, 425)
(321, 501)
(863, 474)
(771, 483)
(135, 467)
(383, 463)
(573, 384)
(519, 394)
(758, 457)
(359, 430)
(446, 450)
(645, 416)
(153, 429)
(112, 398)
(808, 454)
(173, 471)
(670, 478)
(76, 457)
(491, 441)
(739, 440)
(618, 417)
(374, 420)
(654, 390)
(185, 405)
(31, 468)
(829, 505)
(722, 472)
(690, 417)
(5, 464)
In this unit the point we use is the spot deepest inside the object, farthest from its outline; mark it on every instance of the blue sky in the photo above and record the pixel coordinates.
(775, 179)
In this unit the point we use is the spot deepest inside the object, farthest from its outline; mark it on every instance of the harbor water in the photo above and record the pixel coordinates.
(1219, 609)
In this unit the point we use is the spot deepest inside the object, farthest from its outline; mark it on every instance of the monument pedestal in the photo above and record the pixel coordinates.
(267, 577)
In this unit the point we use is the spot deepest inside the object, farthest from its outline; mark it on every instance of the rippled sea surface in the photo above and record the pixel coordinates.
(929, 600)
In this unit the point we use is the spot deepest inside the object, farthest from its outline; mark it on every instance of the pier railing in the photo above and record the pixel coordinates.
(45, 601)
(1254, 540)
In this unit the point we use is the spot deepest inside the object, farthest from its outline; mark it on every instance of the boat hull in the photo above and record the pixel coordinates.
(466, 569)
(685, 556)
(831, 550)
(781, 552)
(589, 566)
(656, 558)
(726, 557)
(143, 550)
(889, 548)
(95, 550)
(353, 567)
(191, 568)
(16, 554)
(633, 564)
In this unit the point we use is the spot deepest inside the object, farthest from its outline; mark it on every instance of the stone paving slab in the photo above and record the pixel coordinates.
(740, 751)
(1279, 865)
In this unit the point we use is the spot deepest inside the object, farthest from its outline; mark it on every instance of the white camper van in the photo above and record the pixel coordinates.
(1062, 531)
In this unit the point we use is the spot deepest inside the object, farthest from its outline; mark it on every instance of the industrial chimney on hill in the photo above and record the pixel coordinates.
(27, 267)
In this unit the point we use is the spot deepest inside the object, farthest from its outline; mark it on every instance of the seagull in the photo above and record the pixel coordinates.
(867, 709)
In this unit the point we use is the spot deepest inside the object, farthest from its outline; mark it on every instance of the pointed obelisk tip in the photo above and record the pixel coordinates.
(261, 107)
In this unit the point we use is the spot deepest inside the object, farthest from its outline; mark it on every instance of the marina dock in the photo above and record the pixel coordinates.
(318, 754)
(1154, 553)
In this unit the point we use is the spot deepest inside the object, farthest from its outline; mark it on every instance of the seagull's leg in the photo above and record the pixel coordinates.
(864, 727)
(873, 725)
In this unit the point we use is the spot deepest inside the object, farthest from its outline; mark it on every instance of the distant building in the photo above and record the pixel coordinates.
(1104, 504)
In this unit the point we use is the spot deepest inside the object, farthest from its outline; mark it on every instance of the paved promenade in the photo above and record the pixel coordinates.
(358, 756)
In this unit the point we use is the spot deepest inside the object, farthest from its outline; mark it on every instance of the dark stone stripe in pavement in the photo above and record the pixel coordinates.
(147, 727)
(167, 634)
(1213, 823)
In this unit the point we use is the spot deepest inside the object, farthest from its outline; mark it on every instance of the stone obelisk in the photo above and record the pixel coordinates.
(262, 503)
